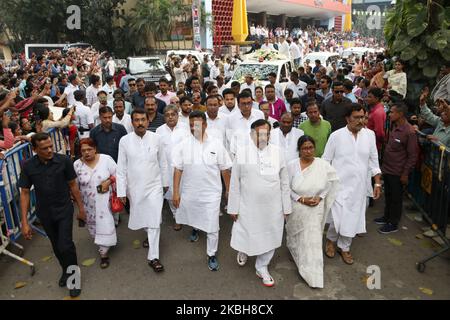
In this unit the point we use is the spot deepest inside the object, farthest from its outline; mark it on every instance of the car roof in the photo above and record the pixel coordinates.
(274, 62)
(140, 58)
(323, 54)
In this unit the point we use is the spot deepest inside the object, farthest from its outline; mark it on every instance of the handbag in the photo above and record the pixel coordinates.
(116, 205)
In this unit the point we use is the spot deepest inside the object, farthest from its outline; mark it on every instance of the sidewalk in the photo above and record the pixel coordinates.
(187, 275)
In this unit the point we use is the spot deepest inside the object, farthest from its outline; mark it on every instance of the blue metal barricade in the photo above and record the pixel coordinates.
(11, 167)
(430, 190)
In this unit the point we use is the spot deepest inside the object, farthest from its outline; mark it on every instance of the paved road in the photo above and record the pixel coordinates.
(188, 277)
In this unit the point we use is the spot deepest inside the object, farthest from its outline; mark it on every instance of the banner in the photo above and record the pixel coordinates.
(196, 24)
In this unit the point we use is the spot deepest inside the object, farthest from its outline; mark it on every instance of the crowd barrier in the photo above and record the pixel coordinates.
(429, 189)
(10, 224)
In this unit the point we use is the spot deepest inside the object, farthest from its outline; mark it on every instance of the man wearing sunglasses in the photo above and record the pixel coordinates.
(311, 95)
(334, 108)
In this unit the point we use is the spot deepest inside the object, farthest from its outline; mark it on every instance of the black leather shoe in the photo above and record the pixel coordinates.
(74, 293)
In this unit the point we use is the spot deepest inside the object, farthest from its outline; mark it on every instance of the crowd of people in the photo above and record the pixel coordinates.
(274, 158)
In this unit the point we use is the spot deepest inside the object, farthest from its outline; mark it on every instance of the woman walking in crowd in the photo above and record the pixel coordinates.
(96, 172)
(314, 185)
(396, 78)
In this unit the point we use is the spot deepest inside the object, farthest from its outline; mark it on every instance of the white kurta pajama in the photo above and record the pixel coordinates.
(353, 159)
(287, 143)
(142, 173)
(304, 227)
(260, 195)
(170, 138)
(100, 221)
(201, 186)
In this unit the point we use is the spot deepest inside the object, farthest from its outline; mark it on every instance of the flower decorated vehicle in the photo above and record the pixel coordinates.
(260, 64)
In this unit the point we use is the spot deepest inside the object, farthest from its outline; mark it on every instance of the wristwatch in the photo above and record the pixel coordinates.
(378, 185)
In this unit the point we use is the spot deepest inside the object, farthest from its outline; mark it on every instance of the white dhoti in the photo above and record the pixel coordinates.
(153, 235)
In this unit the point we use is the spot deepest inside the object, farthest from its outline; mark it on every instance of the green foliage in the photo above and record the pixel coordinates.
(45, 21)
(155, 20)
(418, 32)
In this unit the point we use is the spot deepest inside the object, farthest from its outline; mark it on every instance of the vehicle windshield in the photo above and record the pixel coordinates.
(145, 65)
(259, 71)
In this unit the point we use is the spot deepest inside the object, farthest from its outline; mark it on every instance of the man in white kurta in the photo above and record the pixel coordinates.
(216, 120)
(121, 117)
(171, 133)
(353, 153)
(197, 189)
(259, 200)
(286, 137)
(239, 123)
(142, 173)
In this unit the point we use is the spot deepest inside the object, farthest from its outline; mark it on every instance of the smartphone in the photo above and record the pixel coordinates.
(99, 189)
(81, 223)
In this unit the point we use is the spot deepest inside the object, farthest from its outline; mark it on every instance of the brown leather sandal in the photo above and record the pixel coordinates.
(156, 265)
(330, 249)
(346, 256)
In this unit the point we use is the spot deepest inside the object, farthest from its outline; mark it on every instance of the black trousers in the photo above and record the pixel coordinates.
(393, 194)
(59, 231)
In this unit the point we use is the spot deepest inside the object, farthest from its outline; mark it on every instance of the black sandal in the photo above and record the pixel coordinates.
(156, 265)
(104, 263)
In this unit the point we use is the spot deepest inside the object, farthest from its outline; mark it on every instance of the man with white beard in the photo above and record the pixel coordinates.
(142, 174)
(352, 151)
(259, 170)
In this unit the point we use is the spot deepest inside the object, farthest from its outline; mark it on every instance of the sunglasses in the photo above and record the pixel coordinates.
(338, 91)
(132, 84)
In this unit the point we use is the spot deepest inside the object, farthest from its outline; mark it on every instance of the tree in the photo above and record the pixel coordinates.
(45, 21)
(418, 32)
(156, 19)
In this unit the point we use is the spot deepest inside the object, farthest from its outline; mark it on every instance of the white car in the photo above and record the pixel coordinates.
(326, 58)
(151, 69)
(197, 55)
(359, 51)
(261, 70)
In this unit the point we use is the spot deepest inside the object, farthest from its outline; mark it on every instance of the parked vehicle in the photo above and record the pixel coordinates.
(149, 68)
(326, 58)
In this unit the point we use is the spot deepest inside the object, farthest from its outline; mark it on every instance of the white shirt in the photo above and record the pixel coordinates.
(299, 89)
(217, 127)
(126, 122)
(279, 91)
(272, 121)
(142, 172)
(183, 119)
(283, 48)
(214, 72)
(109, 90)
(91, 95)
(111, 67)
(355, 161)
(180, 75)
(238, 128)
(170, 138)
(94, 112)
(68, 91)
(224, 110)
(201, 186)
(287, 143)
(227, 70)
(267, 47)
(83, 118)
(166, 98)
(251, 87)
(294, 51)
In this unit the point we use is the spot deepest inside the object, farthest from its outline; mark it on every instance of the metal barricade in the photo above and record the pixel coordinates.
(430, 190)
(11, 167)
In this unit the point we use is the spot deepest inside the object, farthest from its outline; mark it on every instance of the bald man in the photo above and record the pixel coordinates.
(286, 136)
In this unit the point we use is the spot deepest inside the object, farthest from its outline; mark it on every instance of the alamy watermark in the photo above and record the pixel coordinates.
(374, 279)
(73, 22)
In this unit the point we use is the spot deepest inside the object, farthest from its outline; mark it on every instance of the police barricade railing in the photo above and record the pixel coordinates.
(10, 222)
(429, 189)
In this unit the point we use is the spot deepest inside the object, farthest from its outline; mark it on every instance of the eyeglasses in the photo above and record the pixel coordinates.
(338, 91)
(132, 84)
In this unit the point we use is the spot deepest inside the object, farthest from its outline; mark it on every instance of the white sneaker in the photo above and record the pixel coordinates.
(267, 279)
(241, 259)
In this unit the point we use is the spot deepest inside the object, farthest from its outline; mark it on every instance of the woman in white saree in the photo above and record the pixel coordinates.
(94, 172)
(314, 185)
